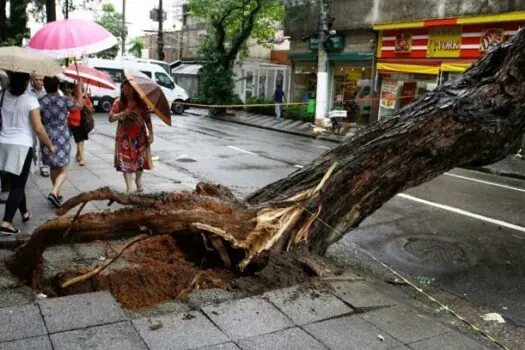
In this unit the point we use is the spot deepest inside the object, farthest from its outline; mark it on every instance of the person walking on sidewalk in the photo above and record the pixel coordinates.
(134, 136)
(55, 110)
(20, 113)
(77, 123)
(36, 89)
(278, 99)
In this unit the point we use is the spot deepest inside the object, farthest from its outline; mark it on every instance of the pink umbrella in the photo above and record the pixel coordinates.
(90, 76)
(72, 38)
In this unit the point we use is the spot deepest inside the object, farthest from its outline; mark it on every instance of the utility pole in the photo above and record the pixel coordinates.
(321, 109)
(160, 39)
(123, 27)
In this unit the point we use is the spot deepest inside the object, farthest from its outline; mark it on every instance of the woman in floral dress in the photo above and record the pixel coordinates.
(134, 136)
(54, 110)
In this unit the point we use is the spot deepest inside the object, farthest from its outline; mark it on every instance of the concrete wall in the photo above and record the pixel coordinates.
(352, 14)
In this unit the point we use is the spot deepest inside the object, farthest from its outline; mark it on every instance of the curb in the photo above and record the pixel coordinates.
(324, 138)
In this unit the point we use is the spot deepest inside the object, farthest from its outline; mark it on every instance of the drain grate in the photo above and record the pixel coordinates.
(434, 251)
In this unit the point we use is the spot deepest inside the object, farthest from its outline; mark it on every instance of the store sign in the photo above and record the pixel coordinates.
(491, 38)
(444, 42)
(403, 43)
(338, 42)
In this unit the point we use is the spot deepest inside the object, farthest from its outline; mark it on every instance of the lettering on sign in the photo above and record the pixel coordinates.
(444, 42)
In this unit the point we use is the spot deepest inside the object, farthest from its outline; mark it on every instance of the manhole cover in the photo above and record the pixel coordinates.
(434, 251)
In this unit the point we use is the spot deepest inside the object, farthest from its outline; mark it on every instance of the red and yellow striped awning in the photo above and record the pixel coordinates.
(484, 19)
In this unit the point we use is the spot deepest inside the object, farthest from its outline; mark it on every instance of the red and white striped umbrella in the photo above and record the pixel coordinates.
(90, 76)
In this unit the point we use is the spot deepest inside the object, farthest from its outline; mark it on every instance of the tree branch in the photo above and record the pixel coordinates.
(246, 32)
(219, 26)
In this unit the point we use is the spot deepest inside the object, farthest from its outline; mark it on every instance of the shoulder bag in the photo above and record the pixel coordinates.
(1, 104)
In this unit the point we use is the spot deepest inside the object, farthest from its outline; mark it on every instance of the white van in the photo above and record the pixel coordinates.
(103, 98)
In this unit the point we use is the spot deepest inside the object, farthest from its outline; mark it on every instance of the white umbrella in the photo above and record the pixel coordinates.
(17, 59)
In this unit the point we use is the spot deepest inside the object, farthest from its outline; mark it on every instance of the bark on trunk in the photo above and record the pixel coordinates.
(475, 119)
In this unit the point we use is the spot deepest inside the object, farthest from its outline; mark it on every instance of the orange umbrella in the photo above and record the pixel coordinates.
(151, 93)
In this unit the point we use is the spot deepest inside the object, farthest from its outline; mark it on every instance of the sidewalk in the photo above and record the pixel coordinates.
(352, 313)
(337, 315)
(511, 166)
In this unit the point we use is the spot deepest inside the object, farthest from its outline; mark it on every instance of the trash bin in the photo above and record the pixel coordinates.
(310, 107)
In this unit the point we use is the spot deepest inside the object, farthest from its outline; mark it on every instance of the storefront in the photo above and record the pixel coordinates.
(350, 72)
(415, 57)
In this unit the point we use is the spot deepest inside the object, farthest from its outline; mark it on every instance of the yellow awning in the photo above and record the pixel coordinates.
(408, 68)
(455, 67)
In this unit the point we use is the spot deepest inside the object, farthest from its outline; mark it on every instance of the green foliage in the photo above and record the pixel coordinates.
(266, 110)
(137, 45)
(298, 112)
(112, 21)
(229, 24)
(13, 30)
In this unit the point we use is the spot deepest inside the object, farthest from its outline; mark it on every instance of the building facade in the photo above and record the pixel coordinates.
(414, 57)
(388, 52)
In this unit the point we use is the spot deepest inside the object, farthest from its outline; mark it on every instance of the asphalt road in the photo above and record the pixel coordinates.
(463, 232)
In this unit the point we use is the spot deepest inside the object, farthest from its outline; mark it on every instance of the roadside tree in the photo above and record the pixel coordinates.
(229, 24)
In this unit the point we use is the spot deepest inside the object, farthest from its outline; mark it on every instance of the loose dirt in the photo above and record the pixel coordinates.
(157, 270)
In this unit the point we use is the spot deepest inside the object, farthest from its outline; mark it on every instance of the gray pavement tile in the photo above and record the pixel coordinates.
(225, 346)
(247, 317)
(447, 341)
(289, 339)
(21, 322)
(361, 295)
(305, 305)
(37, 343)
(183, 331)
(351, 333)
(117, 336)
(405, 324)
(80, 311)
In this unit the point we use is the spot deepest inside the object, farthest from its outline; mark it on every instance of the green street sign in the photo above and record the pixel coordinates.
(338, 43)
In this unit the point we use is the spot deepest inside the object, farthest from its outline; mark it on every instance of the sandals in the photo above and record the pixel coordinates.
(27, 218)
(55, 202)
(140, 188)
(8, 231)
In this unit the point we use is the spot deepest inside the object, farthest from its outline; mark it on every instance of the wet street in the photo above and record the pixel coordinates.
(463, 232)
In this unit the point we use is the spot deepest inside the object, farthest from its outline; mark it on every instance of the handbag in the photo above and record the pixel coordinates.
(87, 117)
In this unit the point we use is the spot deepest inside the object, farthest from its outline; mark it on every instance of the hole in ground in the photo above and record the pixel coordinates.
(160, 269)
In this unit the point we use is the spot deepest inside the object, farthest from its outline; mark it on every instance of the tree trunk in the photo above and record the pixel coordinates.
(474, 119)
(51, 12)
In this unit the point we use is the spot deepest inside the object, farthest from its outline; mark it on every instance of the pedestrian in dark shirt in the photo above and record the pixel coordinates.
(278, 99)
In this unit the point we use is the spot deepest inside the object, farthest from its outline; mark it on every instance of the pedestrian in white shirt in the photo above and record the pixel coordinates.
(20, 122)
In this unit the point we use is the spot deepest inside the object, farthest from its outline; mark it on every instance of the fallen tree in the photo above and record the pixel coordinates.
(474, 119)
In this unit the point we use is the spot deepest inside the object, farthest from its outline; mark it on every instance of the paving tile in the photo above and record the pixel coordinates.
(182, 331)
(289, 339)
(116, 336)
(447, 341)
(247, 317)
(37, 343)
(80, 311)
(305, 305)
(225, 346)
(361, 295)
(20, 322)
(405, 324)
(351, 333)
